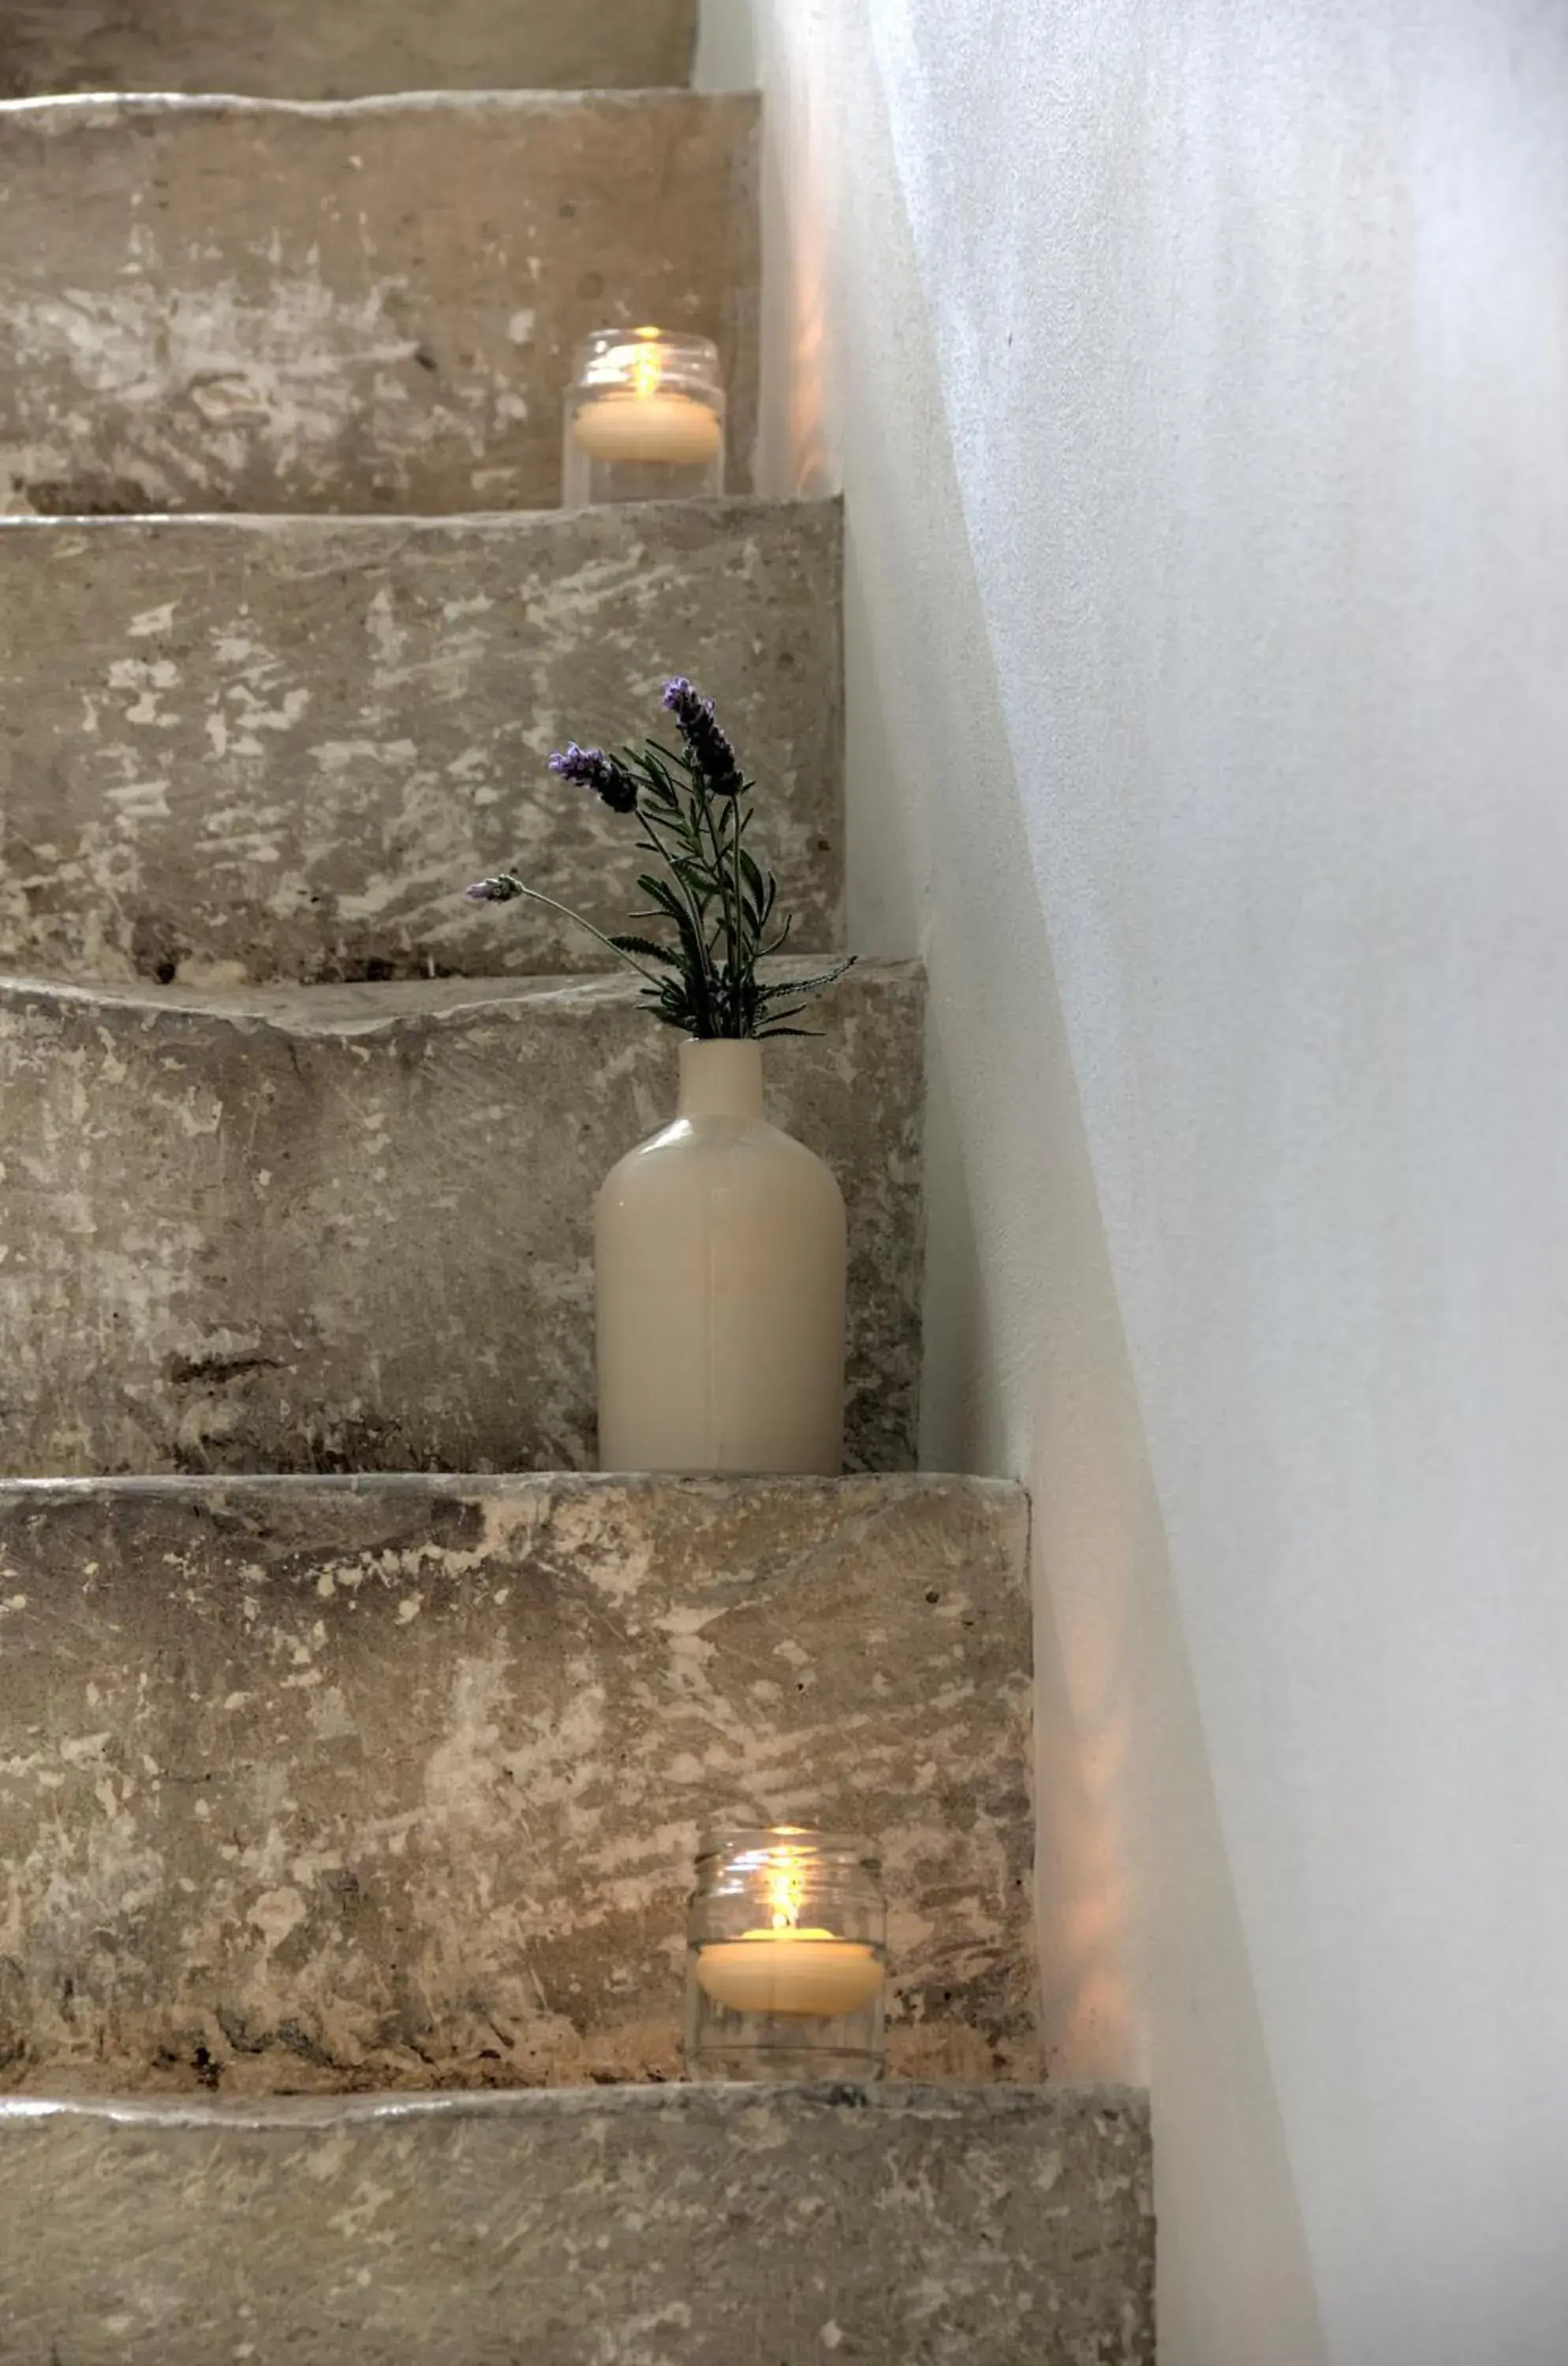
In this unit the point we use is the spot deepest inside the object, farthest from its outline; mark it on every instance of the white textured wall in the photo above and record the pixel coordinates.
(1198, 376)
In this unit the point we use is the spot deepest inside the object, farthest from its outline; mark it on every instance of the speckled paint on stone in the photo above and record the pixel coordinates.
(245, 750)
(244, 305)
(691, 2226)
(349, 1227)
(398, 1783)
(342, 49)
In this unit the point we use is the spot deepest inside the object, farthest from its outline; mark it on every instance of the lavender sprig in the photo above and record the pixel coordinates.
(706, 885)
(706, 744)
(590, 768)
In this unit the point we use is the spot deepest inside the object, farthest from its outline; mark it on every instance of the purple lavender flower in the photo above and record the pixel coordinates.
(502, 889)
(608, 778)
(706, 744)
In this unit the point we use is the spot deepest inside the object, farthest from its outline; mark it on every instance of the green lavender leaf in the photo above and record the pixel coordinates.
(782, 987)
(646, 946)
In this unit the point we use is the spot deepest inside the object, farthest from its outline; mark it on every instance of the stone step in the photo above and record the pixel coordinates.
(348, 1227)
(241, 750)
(235, 304)
(683, 2226)
(398, 1782)
(342, 49)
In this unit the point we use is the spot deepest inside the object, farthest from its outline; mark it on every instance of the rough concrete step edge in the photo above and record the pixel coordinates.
(291, 2114)
(727, 512)
(359, 1011)
(461, 1486)
(56, 114)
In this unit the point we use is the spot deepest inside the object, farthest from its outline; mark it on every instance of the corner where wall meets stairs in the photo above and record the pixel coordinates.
(355, 1739)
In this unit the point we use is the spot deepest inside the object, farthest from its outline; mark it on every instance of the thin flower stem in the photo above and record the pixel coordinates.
(731, 907)
(737, 827)
(535, 896)
(703, 808)
(699, 932)
(731, 917)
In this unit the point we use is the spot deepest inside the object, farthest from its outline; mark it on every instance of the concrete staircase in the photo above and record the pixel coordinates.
(340, 1778)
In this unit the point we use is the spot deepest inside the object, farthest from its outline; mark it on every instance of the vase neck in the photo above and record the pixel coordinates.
(722, 1077)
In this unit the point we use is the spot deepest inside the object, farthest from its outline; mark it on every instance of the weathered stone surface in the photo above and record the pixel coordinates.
(342, 49)
(396, 1783)
(244, 305)
(244, 750)
(348, 1227)
(683, 2226)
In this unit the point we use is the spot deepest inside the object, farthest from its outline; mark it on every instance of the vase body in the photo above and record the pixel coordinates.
(719, 1271)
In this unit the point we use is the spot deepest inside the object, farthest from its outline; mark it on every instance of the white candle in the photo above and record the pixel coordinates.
(790, 1971)
(647, 425)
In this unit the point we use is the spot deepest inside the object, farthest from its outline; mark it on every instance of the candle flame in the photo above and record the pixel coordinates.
(786, 1889)
(646, 368)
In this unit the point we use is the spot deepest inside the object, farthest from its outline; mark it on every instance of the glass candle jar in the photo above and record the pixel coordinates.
(787, 1954)
(644, 419)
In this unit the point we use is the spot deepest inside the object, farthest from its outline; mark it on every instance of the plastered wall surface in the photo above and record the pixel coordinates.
(1197, 380)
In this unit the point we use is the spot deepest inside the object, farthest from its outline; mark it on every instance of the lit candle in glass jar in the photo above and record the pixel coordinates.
(786, 1947)
(790, 1971)
(786, 1969)
(644, 419)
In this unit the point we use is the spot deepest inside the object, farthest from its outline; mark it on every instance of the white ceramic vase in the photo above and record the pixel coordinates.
(719, 1265)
